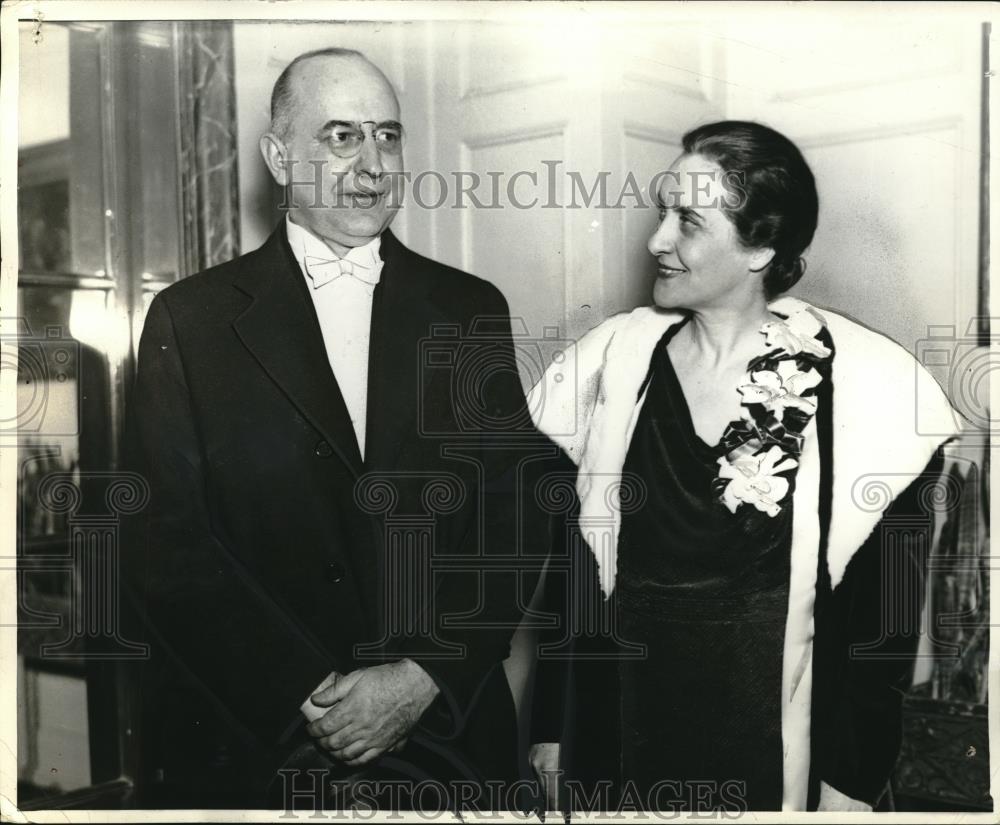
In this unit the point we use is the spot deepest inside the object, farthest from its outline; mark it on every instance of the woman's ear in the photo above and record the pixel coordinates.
(273, 150)
(761, 258)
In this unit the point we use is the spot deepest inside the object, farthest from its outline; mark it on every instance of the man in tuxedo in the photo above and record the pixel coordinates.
(314, 463)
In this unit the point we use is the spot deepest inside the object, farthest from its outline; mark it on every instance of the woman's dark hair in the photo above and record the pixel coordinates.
(776, 205)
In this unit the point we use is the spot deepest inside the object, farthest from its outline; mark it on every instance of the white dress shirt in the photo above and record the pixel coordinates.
(342, 291)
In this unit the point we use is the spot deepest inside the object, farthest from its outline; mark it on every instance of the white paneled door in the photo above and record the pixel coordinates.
(569, 133)
(887, 112)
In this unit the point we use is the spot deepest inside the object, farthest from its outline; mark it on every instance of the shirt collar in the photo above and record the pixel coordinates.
(303, 243)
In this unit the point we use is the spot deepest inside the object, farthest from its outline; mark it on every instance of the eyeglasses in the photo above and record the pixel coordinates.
(345, 138)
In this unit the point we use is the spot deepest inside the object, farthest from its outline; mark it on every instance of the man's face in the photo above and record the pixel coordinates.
(344, 200)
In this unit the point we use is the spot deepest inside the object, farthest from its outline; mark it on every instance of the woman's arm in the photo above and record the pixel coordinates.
(867, 637)
(544, 759)
(563, 400)
(551, 683)
(830, 799)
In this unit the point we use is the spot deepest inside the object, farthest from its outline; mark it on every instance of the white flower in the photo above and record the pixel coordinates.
(796, 334)
(781, 388)
(753, 480)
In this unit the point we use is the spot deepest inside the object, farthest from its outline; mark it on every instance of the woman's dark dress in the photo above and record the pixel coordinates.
(706, 591)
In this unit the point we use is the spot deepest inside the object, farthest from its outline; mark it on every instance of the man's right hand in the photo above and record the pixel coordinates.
(544, 759)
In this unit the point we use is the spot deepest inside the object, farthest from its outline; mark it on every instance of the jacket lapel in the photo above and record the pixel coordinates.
(281, 330)
(399, 383)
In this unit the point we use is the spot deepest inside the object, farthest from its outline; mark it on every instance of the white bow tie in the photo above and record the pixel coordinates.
(322, 271)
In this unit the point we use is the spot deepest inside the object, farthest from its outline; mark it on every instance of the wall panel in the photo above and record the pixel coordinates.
(518, 249)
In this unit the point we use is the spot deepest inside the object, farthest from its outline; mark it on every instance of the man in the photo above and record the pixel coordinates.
(274, 395)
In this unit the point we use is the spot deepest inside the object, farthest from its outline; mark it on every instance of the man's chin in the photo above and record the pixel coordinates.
(356, 231)
(359, 232)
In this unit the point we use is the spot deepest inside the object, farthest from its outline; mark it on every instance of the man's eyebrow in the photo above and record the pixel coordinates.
(385, 124)
(333, 124)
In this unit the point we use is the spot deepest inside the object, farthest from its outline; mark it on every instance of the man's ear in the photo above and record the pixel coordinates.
(275, 156)
(761, 258)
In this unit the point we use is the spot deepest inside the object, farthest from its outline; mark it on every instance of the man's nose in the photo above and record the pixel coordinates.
(663, 239)
(369, 161)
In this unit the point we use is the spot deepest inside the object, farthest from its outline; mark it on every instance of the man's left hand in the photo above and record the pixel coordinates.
(371, 710)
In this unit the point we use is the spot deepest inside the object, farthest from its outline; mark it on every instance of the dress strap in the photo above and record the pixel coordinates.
(657, 351)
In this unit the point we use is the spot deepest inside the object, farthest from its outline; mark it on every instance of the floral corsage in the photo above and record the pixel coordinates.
(778, 396)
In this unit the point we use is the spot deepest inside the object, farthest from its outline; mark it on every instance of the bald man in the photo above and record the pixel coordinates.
(293, 622)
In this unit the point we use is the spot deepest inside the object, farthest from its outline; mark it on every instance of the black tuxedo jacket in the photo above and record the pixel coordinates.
(269, 550)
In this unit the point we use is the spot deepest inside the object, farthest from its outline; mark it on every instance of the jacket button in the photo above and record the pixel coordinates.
(335, 572)
(323, 449)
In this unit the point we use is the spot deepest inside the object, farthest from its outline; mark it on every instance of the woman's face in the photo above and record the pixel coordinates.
(701, 263)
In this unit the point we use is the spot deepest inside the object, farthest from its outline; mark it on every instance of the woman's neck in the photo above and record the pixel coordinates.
(716, 337)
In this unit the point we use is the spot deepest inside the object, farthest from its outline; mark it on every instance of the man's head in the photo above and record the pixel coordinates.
(338, 186)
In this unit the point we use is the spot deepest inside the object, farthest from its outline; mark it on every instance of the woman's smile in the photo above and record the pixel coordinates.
(668, 271)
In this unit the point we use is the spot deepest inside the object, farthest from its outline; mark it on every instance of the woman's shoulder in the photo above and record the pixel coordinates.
(848, 332)
(867, 361)
(851, 336)
(600, 367)
(626, 331)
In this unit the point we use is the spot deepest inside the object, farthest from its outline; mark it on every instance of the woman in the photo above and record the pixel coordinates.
(748, 559)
